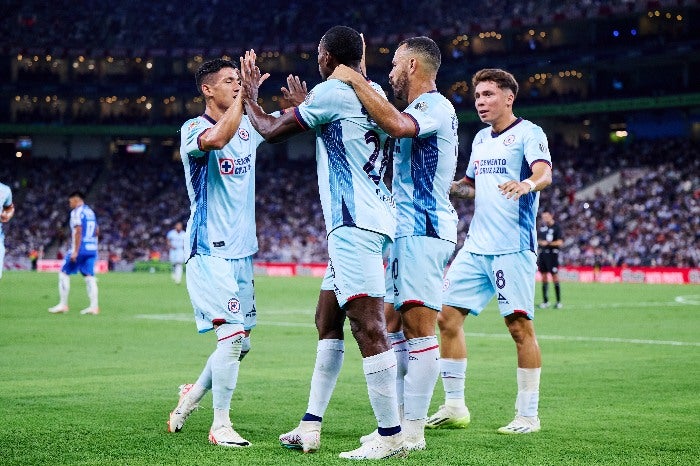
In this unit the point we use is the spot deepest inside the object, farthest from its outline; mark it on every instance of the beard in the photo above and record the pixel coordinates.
(400, 86)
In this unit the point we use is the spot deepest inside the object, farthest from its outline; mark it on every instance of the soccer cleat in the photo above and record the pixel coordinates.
(305, 437)
(559, 305)
(374, 435)
(184, 407)
(377, 449)
(449, 417)
(544, 305)
(58, 309)
(521, 425)
(225, 436)
(90, 310)
(414, 444)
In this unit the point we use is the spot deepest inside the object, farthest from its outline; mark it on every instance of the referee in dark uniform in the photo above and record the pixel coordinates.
(549, 240)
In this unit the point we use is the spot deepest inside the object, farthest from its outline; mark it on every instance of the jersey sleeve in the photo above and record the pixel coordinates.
(321, 106)
(192, 130)
(421, 114)
(536, 147)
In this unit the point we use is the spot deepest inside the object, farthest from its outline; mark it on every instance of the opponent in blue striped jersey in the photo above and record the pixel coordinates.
(7, 210)
(509, 164)
(218, 151)
(359, 215)
(81, 256)
(425, 160)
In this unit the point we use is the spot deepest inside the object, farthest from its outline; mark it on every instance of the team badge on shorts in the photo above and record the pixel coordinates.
(509, 140)
(243, 134)
(234, 305)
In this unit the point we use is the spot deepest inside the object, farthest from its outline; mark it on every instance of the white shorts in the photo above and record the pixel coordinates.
(356, 263)
(221, 291)
(415, 271)
(474, 279)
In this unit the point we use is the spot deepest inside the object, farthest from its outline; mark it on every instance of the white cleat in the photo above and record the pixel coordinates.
(383, 447)
(414, 444)
(305, 437)
(559, 305)
(225, 436)
(90, 310)
(521, 425)
(449, 417)
(544, 305)
(58, 309)
(374, 435)
(185, 406)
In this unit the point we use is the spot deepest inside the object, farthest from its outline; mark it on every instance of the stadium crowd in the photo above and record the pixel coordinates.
(139, 25)
(652, 220)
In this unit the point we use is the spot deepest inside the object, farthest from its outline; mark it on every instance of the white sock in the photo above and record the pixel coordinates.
(527, 401)
(224, 368)
(204, 379)
(245, 347)
(453, 373)
(380, 373)
(177, 273)
(91, 286)
(423, 370)
(400, 346)
(63, 288)
(329, 360)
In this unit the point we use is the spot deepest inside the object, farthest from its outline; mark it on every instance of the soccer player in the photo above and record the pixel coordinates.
(549, 239)
(8, 210)
(509, 163)
(176, 255)
(425, 160)
(359, 213)
(218, 151)
(81, 256)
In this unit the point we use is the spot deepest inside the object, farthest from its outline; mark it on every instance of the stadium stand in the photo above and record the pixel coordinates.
(101, 68)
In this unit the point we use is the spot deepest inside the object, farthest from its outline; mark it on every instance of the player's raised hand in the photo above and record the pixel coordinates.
(295, 92)
(251, 77)
(363, 63)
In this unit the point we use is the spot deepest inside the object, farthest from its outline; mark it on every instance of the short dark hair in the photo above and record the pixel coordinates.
(77, 194)
(426, 47)
(345, 44)
(503, 79)
(210, 67)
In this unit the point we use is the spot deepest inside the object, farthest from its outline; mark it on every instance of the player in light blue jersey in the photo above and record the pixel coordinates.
(351, 156)
(218, 151)
(425, 160)
(82, 255)
(8, 210)
(510, 162)
(176, 250)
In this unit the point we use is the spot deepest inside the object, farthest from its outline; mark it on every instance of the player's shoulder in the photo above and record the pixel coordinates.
(194, 124)
(526, 126)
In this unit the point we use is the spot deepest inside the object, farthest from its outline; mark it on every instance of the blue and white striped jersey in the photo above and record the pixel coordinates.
(83, 217)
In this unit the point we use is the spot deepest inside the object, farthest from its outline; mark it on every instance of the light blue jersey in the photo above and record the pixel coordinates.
(351, 157)
(501, 225)
(83, 217)
(424, 168)
(5, 201)
(221, 188)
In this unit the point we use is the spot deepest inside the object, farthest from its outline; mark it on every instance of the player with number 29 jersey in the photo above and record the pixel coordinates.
(351, 156)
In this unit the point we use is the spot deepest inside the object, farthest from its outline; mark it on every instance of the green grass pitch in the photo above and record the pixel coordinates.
(620, 379)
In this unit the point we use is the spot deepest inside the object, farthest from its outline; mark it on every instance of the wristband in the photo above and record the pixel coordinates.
(530, 183)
